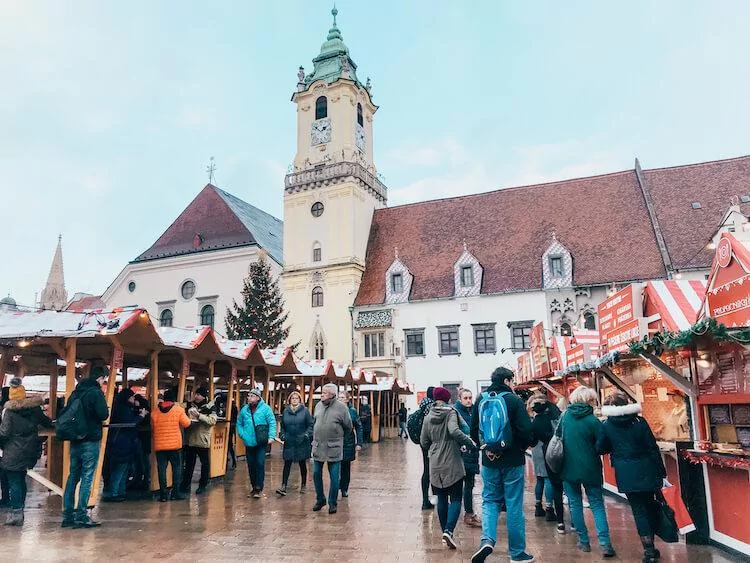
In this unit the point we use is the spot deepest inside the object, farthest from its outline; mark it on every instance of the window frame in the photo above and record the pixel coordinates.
(568, 331)
(321, 107)
(317, 209)
(317, 296)
(586, 316)
(376, 338)
(317, 253)
(485, 327)
(171, 317)
(360, 116)
(522, 326)
(463, 280)
(202, 314)
(414, 332)
(400, 277)
(552, 260)
(182, 289)
(446, 330)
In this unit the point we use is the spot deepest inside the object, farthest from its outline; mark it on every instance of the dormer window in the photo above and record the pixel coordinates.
(321, 107)
(360, 120)
(397, 283)
(556, 266)
(467, 276)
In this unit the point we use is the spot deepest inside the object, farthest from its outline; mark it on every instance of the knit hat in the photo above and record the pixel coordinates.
(98, 371)
(441, 394)
(17, 390)
(202, 391)
(257, 393)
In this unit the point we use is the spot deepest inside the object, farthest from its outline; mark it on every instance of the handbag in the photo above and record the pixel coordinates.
(261, 432)
(666, 524)
(555, 454)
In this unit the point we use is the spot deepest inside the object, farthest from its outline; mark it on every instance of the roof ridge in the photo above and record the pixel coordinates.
(223, 192)
(693, 164)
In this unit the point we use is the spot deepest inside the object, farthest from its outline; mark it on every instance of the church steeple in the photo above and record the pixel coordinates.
(54, 295)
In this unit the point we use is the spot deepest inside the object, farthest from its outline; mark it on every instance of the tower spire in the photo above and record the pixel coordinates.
(54, 295)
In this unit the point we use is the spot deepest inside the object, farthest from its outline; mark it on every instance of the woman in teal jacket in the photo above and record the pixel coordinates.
(256, 415)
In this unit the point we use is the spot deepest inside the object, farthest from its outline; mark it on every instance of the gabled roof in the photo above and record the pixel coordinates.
(216, 220)
(85, 302)
(602, 220)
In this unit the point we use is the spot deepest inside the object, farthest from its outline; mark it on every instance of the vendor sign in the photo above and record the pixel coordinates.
(728, 295)
(620, 309)
(617, 340)
(525, 371)
(539, 353)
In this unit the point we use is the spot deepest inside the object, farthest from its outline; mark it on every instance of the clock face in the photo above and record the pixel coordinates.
(321, 131)
(360, 138)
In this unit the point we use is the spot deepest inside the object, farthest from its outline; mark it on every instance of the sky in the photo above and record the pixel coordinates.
(109, 112)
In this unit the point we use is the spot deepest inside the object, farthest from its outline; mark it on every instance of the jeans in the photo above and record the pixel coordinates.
(256, 465)
(118, 479)
(594, 494)
(425, 477)
(191, 452)
(402, 433)
(4, 487)
(83, 459)
(449, 505)
(645, 511)
(543, 488)
(17, 489)
(346, 475)
(173, 458)
(469, 492)
(288, 468)
(504, 484)
(334, 472)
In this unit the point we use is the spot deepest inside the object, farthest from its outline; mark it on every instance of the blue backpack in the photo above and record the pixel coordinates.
(494, 422)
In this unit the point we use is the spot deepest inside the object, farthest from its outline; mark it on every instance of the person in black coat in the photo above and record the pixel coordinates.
(470, 459)
(639, 469)
(546, 418)
(296, 434)
(122, 443)
(352, 444)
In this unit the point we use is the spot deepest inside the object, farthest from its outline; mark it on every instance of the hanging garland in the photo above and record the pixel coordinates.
(668, 340)
(717, 461)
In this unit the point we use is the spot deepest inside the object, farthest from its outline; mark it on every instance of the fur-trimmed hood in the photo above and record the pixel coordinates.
(27, 403)
(625, 410)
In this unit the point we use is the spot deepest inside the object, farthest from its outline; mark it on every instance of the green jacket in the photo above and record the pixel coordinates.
(580, 430)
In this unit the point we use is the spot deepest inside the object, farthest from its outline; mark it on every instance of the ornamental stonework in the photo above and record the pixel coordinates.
(373, 319)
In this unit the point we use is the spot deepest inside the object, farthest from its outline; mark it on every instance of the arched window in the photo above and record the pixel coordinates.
(320, 347)
(565, 329)
(321, 107)
(317, 296)
(317, 254)
(207, 316)
(165, 319)
(589, 321)
(360, 121)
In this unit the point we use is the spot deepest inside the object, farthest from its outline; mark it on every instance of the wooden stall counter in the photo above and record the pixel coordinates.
(219, 445)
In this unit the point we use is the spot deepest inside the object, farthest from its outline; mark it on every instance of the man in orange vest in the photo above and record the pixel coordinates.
(167, 422)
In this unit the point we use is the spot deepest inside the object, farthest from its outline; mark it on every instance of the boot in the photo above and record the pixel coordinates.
(303, 489)
(550, 515)
(648, 549)
(539, 511)
(657, 553)
(15, 517)
(472, 520)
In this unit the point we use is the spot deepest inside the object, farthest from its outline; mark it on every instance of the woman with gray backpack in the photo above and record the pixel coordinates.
(543, 425)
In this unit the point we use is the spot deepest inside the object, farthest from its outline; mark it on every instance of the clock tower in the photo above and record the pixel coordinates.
(329, 198)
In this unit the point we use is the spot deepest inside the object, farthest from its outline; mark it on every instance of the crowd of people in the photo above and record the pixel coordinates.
(499, 427)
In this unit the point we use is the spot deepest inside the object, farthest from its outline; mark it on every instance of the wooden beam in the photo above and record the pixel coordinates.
(619, 383)
(153, 402)
(182, 384)
(70, 383)
(54, 451)
(684, 385)
(115, 364)
(211, 384)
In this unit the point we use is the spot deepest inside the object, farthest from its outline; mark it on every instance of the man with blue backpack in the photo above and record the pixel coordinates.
(501, 425)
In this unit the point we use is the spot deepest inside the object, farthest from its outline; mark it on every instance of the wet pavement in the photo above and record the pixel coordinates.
(380, 521)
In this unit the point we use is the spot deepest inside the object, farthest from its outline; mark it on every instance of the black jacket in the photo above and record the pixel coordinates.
(547, 415)
(122, 441)
(520, 425)
(354, 438)
(632, 447)
(19, 438)
(471, 455)
(94, 405)
(296, 433)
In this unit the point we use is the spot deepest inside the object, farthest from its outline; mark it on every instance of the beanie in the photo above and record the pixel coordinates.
(202, 391)
(17, 390)
(441, 394)
(98, 371)
(257, 393)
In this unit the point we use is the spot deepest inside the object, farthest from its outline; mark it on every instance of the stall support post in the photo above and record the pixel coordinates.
(153, 402)
(266, 382)
(54, 452)
(114, 365)
(70, 383)
(310, 396)
(211, 384)
(182, 382)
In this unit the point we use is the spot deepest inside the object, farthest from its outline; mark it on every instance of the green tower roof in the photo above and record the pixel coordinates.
(334, 61)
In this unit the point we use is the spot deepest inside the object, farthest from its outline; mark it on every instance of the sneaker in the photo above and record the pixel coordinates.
(163, 498)
(549, 514)
(482, 553)
(281, 491)
(523, 557)
(449, 541)
(200, 490)
(561, 528)
(427, 505)
(472, 520)
(585, 547)
(344, 494)
(178, 496)
(251, 494)
(258, 493)
(318, 506)
(608, 552)
(333, 509)
(539, 512)
(303, 489)
(86, 522)
(67, 523)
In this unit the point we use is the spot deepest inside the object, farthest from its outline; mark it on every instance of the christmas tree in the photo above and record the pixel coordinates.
(261, 315)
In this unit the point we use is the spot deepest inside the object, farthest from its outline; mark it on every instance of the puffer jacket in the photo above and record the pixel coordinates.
(167, 422)
(19, 440)
(296, 433)
(442, 438)
(580, 431)
(262, 415)
(198, 434)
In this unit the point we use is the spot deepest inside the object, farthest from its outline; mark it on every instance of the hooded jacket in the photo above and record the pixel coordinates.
(94, 405)
(198, 434)
(332, 422)
(167, 422)
(296, 433)
(262, 415)
(633, 450)
(18, 434)
(471, 455)
(123, 440)
(580, 432)
(442, 438)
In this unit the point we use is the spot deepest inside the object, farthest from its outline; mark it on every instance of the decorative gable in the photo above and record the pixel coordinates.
(467, 275)
(557, 266)
(398, 282)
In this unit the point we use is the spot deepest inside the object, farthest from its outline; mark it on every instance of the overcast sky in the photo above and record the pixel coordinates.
(109, 111)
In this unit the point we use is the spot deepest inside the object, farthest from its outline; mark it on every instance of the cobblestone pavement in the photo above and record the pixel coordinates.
(380, 521)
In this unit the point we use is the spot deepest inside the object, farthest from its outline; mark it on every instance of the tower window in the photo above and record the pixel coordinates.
(207, 316)
(321, 107)
(316, 252)
(165, 319)
(566, 330)
(316, 209)
(360, 120)
(320, 347)
(589, 322)
(317, 296)
(397, 283)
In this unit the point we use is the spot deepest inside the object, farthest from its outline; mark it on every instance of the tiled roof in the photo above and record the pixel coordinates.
(215, 220)
(84, 302)
(603, 221)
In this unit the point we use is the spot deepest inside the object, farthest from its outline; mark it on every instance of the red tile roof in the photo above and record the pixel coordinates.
(602, 220)
(84, 302)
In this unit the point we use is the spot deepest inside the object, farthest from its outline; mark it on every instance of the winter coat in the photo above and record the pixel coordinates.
(471, 455)
(122, 441)
(296, 433)
(546, 417)
(19, 437)
(198, 434)
(167, 422)
(520, 424)
(632, 447)
(94, 406)
(580, 431)
(402, 415)
(248, 420)
(332, 422)
(353, 438)
(442, 438)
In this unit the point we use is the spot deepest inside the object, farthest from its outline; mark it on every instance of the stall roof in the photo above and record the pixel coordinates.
(316, 368)
(280, 361)
(677, 302)
(727, 292)
(17, 324)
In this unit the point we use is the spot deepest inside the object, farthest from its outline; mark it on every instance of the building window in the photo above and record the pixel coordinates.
(316, 209)
(187, 290)
(520, 335)
(320, 347)
(374, 344)
(589, 321)
(414, 342)
(321, 107)
(467, 276)
(316, 252)
(448, 340)
(360, 120)
(556, 266)
(566, 330)
(131, 287)
(207, 315)
(317, 296)
(165, 319)
(397, 283)
(484, 339)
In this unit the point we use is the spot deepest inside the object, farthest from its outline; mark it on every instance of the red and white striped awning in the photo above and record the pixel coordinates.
(677, 302)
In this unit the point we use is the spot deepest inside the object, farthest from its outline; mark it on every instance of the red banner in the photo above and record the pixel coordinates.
(539, 353)
(118, 357)
(617, 310)
(525, 372)
(728, 294)
(617, 340)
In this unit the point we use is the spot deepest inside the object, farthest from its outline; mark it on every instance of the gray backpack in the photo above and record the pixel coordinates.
(555, 454)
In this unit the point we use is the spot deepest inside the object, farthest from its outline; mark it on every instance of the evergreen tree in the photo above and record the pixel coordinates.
(261, 315)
